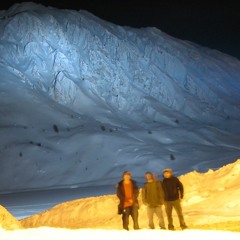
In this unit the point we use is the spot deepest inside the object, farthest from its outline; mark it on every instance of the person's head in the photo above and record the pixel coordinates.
(167, 173)
(126, 175)
(155, 176)
(149, 176)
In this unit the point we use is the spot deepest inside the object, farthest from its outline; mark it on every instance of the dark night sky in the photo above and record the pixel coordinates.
(208, 23)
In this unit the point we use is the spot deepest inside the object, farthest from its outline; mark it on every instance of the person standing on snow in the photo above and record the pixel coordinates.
(173, 192)
(127, 192)
(153, 198)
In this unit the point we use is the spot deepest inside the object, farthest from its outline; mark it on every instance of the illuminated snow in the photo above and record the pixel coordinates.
(62, 234)
(83, 100)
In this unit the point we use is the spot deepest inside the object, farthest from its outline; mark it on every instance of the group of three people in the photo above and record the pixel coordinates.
(155, 194)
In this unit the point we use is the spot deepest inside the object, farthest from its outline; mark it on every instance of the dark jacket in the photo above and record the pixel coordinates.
(121, 195)
(173, 188)
(152, 194)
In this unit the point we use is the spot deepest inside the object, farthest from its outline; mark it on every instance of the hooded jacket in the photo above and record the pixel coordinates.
(173, 188)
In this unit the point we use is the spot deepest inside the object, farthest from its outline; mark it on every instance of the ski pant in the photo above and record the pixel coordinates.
(133, 212)
(158, 211)
(169, 205)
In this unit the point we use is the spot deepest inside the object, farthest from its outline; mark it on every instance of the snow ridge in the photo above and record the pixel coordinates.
(104, 94)
(64, 50)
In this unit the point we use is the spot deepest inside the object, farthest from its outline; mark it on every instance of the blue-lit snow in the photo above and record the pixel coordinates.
(83, 99)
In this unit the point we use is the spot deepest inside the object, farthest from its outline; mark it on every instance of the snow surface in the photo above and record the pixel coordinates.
(83, 99)
(62, 234)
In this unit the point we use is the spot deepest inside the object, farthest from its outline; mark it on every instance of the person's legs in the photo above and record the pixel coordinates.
(168, 208)
(159, 213)
(150, 212)
(134, 215)
(125, 217)
(178, 208)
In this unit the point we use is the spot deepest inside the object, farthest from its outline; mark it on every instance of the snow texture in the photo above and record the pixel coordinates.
(83, 99)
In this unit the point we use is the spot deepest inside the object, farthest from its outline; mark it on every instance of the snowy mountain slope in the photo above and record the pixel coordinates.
(83, 99)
